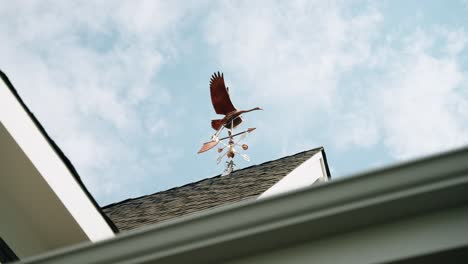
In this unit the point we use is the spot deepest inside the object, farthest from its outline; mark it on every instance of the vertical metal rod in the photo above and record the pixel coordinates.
(215, 136)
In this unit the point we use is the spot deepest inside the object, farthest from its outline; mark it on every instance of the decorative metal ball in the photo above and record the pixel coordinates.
(230, 154)
(220, 150)
(245, 147)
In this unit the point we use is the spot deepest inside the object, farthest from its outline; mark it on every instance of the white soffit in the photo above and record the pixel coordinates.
(18, 127)
(303, 176)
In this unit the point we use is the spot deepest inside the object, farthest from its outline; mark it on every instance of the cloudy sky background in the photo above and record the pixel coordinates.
(122, 86)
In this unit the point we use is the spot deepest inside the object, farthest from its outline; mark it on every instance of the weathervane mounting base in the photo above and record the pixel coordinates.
(229, 167)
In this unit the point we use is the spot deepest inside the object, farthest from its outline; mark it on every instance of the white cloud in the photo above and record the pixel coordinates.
(357, 129)
(456, 41)
(289, 57)
(87, 70)
(292, 49)
(419, 103)
(296, 58)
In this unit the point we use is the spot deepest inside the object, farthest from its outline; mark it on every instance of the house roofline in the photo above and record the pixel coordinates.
(246, 228)
(58, 151)
(321, 149)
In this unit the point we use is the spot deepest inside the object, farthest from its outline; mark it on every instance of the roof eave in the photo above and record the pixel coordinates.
(58, 151)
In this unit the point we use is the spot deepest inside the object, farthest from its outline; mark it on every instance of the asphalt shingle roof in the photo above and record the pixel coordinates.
(241, 184)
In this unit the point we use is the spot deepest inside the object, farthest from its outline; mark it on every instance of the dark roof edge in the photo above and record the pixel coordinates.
(264, 163)
(59, 152)
(6, 253)
(326, 163)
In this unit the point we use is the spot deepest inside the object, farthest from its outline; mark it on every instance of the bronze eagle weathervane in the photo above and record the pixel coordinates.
(232, 118)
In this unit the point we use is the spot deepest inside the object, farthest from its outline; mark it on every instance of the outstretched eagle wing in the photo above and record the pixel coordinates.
(219, 95)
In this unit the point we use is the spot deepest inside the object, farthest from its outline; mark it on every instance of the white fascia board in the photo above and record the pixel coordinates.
(303, 176)
(425, 200)
(51, 167)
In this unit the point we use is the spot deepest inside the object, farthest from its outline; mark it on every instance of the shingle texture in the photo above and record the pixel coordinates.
(208, 193)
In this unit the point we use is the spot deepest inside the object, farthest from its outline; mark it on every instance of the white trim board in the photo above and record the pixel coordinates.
(303, 176)
(49, 167)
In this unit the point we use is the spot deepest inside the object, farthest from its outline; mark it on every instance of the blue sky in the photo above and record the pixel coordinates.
(122, 86)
